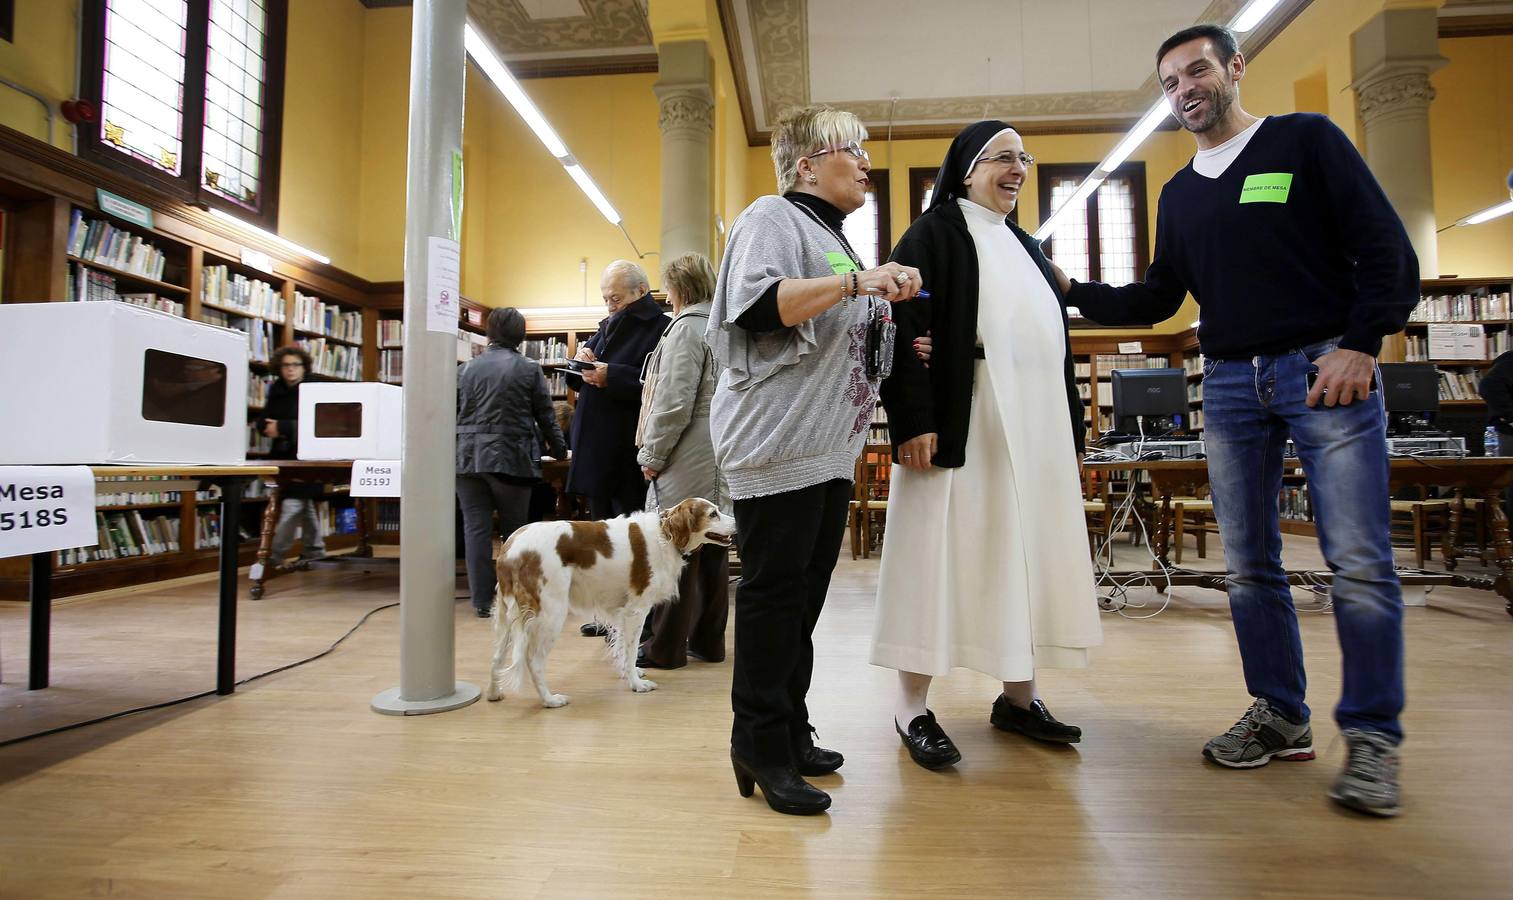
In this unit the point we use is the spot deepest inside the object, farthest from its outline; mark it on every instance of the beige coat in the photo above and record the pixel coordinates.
(673, 434)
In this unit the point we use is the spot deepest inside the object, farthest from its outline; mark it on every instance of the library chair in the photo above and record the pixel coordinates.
(1196, 513)
(1098, 508)
(869, 499)
(1418, 523)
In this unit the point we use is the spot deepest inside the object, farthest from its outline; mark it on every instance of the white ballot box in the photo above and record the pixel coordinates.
(109, 382)
(350, 421)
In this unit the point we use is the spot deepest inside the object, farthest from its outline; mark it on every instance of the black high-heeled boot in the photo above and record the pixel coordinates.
(782, 788)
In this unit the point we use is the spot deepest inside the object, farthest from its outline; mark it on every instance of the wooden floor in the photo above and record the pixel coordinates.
(293, 788)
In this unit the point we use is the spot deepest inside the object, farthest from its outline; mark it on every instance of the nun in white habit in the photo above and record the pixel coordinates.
(984, 562)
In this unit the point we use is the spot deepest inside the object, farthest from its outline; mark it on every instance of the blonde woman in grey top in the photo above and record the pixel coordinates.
(789, 417)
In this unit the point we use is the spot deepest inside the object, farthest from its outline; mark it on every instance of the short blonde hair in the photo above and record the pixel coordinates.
(692, 277)
(807, 130)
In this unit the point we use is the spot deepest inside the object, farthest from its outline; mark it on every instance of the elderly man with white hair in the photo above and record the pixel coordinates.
(603, 435)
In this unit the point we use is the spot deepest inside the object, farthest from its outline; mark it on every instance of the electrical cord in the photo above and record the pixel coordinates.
(167, 703)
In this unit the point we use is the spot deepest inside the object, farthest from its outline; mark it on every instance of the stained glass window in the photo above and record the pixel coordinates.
(143, 92)
(234, 71)
(190, 93)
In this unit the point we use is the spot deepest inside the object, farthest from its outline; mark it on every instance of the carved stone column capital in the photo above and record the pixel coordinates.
(685, 111)
(1394, 93)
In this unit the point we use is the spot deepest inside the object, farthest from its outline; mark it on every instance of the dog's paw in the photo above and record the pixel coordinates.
(555, 700)
(640, 672)
(493, 693)
(642, 685)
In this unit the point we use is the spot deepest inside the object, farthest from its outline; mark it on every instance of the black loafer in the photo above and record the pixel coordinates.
(482, 613)
(928, 745)
(1035, 722)
(594, 629)
(814, 761)
(643, 661)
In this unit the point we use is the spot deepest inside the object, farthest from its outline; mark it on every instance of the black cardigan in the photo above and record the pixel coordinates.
(938, 399)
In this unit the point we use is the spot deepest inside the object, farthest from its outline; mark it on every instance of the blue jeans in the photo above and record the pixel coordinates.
(1250, 408)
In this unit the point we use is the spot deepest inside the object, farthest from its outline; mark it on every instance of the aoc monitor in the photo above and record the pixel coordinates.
(1157, 396)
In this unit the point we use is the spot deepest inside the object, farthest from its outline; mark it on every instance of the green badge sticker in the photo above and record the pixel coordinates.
(1266, 187)
(840, 263)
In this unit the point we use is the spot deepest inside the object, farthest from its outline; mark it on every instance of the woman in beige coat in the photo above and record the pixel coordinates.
(677, 458)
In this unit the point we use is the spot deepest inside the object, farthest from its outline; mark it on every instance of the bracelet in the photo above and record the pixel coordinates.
(855, 285)
(843, 287)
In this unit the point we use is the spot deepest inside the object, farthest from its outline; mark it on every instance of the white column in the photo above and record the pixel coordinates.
(1392, 57)
(686, 121)
(427, 611)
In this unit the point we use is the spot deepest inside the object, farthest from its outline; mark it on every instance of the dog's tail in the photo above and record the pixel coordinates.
(510, 622)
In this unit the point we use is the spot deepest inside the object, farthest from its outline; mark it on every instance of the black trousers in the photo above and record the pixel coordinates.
(480, 496)
(695, 621)
(789, 546)
(627, 497)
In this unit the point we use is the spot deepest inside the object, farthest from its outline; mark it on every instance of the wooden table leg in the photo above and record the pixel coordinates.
(1504, 549)
(261, 569)
(42, 620)
(1449, 546)
(361, 506)
(1163, 531)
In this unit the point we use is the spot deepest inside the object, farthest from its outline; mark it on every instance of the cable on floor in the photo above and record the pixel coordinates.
(167, 703)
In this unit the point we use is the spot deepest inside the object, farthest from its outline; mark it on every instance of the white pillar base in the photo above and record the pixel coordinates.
(388, 703)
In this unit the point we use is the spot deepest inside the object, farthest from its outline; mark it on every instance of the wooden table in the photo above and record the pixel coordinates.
(232, 480)
(1475, 476)
(321, 471)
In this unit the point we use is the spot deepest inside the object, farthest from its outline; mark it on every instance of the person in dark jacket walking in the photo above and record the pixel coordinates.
(604, 466)
(504, 422)
(280, 421)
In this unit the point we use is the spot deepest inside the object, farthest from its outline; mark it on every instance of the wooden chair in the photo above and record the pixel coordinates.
(1098, 508)
(1198, 513)
(1419, 521)
(869, 499)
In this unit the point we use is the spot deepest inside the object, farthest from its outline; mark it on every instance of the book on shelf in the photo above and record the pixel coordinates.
(1466, 306)
(552, 349)
(257, 442)
(391, 366)
(101, 242)
(261, 338)
(470, 345)
(1459, 384)
(1107, 362)
(314, 314)
(1083, 369)
(391, 332)
(257, 389)
(86, 284)
(153, 301)
(1293, 503)
(333, 360)
(248, 296)
(1193, 365)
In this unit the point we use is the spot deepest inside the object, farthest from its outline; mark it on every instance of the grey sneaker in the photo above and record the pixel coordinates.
(1368, 782)
(1260, 736)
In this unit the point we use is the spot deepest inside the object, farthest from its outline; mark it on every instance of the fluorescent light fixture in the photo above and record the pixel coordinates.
(1488, 214)
(593, 192)
(1084, 190)
(1252, 15)
(282, 242)
(1148, 123)
(494, 68)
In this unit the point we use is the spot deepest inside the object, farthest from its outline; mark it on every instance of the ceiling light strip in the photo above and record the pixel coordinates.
(494, 69)
(268, 235)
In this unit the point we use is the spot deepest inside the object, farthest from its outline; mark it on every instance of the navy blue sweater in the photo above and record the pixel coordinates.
(1276, 263)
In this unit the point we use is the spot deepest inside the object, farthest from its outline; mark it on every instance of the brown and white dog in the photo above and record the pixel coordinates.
(613, 571)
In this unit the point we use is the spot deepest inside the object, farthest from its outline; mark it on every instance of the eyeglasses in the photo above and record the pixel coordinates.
(1009, 159)
(852, 148)
(291, 365)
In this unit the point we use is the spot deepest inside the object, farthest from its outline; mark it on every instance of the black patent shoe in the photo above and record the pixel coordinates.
(927, 743)
(1035, 722)
(782, 788)
(813, 761)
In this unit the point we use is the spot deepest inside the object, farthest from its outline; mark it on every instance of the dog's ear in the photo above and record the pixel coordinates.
(680, 523)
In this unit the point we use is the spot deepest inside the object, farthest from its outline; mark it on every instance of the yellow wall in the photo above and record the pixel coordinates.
(1471, 123)
(319, 185)
(42, 59)
(385, 127)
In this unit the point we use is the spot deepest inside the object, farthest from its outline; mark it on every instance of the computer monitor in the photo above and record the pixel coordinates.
(1410, 387)
(1410, 391)
(1159, 396)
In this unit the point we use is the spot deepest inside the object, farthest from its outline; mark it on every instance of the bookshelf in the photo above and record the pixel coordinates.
(1094, 359)
(59, 246)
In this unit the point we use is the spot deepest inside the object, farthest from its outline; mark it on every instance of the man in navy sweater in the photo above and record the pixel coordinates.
(1301, 266)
